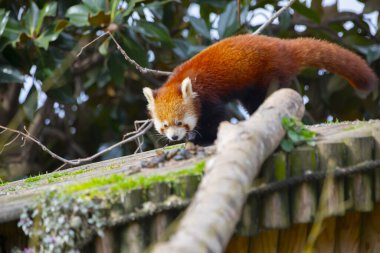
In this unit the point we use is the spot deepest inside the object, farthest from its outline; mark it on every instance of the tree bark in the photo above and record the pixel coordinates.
(211, 218)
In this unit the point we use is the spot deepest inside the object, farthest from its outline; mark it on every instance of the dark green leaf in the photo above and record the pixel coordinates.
(116, 68)
(228, 24)
(3, 20)
(293, 136)
(9, 74)
(31, 18)
(131, 6)
(372, 52)
(287, 145)
(49, 9)
(99, 19)
(103, 49)
(78, 15)
(46, 37)
(307, 12)
(285, 20)
(154, 30)
(135, 50)
(184, 49)
(95, 5)
(200, 27)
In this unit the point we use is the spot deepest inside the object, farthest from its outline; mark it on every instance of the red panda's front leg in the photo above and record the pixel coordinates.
(212, 113)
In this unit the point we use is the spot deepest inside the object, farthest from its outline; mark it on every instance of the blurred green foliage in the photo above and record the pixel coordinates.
(80, 105)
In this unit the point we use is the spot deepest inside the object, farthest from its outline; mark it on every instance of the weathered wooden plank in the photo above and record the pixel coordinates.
(10, 236)
(348, 233)
(360, 193)
(376, 136)
(186, 186)
(303, 197)
(265, 242)
(105, 243)
(370, 232)
(133, 238)
(249, 220)
(293, 239)
(332, 155)
(275, 206)
(238, 244)
(325, 242)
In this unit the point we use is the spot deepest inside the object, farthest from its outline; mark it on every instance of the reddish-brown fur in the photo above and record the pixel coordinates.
(236, 67)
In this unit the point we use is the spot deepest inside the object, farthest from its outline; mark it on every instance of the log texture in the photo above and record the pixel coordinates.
(211, 218)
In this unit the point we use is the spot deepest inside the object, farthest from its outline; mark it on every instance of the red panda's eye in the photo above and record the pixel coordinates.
(165, 125)
(179, 123)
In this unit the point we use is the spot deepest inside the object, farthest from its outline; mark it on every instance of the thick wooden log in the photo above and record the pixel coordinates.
(211, 218)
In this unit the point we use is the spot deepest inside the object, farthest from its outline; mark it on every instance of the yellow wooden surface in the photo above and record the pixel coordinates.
(347, 234)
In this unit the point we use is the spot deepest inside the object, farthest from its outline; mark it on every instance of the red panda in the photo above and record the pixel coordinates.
(242, 67)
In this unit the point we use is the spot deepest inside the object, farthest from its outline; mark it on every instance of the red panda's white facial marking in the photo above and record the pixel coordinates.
(174, 112)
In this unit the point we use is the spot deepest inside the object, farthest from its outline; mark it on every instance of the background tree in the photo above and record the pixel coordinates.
(80, 105)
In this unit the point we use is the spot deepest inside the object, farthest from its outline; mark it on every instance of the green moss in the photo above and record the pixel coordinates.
(354, 126)
(124, 182)
(181, 145)
(34, 179)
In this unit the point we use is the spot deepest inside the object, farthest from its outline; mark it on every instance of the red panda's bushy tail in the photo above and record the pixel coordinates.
(321, 54)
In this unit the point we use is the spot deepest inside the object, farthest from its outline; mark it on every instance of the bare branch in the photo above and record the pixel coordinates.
(133, 136)
(126, 57)
(276, 15)
(9, 143)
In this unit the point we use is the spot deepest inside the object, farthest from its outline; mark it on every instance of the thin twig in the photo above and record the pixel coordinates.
(126, 57)
(136, 134)
(276, 15)
(9, 143)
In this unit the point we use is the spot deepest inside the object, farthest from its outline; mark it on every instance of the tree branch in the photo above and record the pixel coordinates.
(126, 57)
(276, 15)
(146, 125)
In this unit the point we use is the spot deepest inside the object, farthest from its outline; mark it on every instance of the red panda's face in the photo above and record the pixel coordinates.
(174, 112)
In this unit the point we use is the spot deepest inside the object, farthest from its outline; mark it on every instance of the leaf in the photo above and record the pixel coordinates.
(293, 136)
(31, 18)
(114, 10)
(131, 6)
(154, 30)
(100, 19)
(284, 21)
(49, 9)
(307, 12)
(372, 52)
(116, 69)
(287, 145)
(228, 24)
(30, 105)
(185, 49)
(95, 6)
(10, 74)
(103, 49)
(78, 15)
(3, 20)
(46, 37)
(200, 27)
(134, 50)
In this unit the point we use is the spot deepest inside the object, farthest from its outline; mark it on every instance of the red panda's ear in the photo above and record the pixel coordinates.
(187, 88)
(148, 93)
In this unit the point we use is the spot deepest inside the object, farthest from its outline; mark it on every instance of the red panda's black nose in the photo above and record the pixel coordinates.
(175, 137)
